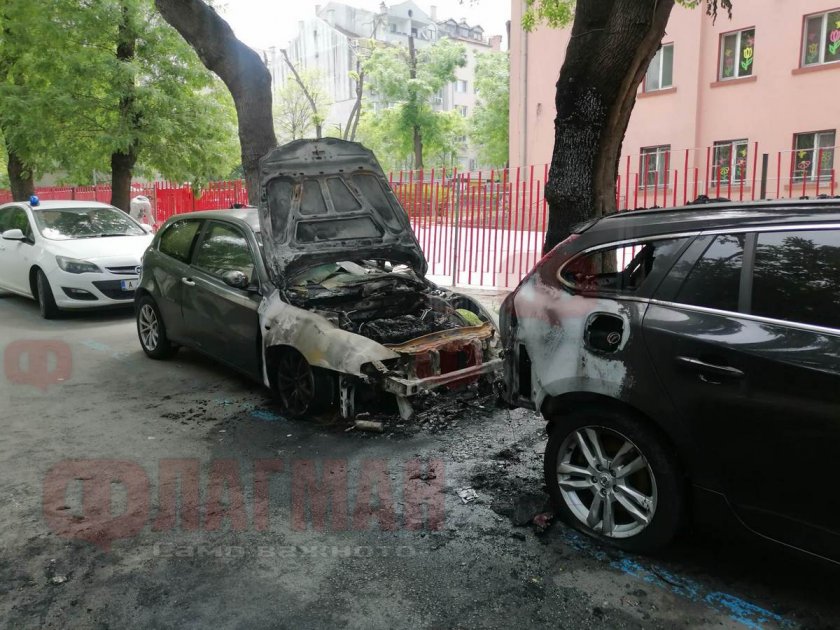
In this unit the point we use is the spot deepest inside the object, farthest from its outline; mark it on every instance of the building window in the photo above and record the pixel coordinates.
(660, 74)
(653, 164)
(737, 54)
(461, 86)
(821, 41)
(813, 153)
(730, 161)
(464, 110)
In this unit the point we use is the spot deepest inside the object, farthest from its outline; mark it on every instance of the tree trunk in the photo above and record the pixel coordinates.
(612, 44)
(122, 168)
(123, 160)
(418, 136)
(20, 178)
(242, 71)
(306, 93)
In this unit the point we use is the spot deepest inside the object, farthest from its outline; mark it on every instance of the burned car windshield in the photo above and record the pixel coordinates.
(338, 230)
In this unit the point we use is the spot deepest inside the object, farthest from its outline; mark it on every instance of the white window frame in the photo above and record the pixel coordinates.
(733, 145)
(659, 153)
(814, 168)
(738, 36)
(461, 83)
(823, 32)
(661, 55)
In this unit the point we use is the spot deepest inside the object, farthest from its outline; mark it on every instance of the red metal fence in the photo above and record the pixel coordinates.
(485, 228)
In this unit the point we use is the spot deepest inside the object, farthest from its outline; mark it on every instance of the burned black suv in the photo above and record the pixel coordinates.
(688, 358)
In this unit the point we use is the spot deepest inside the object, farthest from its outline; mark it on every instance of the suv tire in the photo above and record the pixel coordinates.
(612, 477)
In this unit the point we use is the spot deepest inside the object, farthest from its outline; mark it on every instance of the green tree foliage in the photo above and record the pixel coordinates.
(293, 114)
(67, 102)
(404, 103)
(386, 133)
(489, 132)
(559, 13)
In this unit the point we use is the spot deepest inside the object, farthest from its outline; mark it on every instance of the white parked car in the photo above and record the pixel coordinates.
(70, 254)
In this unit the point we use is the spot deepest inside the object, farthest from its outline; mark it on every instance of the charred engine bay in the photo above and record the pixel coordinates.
(388, 307)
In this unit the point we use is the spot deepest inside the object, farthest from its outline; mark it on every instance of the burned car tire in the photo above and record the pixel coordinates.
(302, 389)
(151, 330)
(612, 477)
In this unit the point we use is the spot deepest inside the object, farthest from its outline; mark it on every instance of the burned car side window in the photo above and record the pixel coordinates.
(343, 200)
(715, 280)
(624, 268)
(337, 230)
(311, 198)
(280, 200)
(224, 249)
(177, 240)
(371, 188)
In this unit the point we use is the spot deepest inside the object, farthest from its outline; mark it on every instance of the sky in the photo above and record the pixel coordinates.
(266, 23)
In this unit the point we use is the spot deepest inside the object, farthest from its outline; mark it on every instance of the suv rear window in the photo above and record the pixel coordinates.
(715, 280)
(797, 277)
(624, 268)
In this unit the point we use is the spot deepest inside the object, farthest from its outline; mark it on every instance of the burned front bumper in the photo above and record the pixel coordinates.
(453, 358)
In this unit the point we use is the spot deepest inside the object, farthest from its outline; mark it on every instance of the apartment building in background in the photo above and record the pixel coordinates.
(716, 97)
(327, 41)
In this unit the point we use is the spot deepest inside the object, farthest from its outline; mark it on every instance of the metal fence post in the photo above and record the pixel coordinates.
(457, 228)
(765, 163)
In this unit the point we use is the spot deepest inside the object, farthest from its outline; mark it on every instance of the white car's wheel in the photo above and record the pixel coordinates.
(45, 297)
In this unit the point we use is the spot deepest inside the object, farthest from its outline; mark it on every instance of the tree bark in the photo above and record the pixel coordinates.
(612, 44)
(20, 177)
(242, 71)
(123, 160)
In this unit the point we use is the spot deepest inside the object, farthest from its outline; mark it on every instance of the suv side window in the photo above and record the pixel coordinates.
(623, 268)
(177, 240)
(224, 248)
(797, 277)
(715, 280)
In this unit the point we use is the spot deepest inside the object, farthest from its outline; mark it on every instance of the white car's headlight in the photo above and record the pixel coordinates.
(71, 265)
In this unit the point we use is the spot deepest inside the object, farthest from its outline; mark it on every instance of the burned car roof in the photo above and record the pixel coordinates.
(326, 201)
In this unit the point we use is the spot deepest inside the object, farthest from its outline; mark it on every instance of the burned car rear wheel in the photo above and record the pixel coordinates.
(612, 477)
(302, 389)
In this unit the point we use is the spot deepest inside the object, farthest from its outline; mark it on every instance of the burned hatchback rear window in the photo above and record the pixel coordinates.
(337, 230)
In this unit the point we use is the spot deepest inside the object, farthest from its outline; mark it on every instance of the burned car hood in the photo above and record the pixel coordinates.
(328, 200)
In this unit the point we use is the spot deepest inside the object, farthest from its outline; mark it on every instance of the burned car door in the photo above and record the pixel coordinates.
(170, 265)
(220, 298)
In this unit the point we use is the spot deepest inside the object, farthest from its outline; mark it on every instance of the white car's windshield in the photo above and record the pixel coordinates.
(70, 223)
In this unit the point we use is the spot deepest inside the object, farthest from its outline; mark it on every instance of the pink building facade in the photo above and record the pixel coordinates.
(716, 98)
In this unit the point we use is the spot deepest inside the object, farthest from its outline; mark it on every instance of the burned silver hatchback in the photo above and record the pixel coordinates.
(326, 286)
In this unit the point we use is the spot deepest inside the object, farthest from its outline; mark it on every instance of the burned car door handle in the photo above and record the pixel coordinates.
(188, 281)
(710, 368)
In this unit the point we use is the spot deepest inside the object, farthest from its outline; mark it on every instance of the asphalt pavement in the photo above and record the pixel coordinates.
(175, 494)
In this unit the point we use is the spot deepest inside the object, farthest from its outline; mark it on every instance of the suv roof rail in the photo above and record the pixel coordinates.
(827, 202)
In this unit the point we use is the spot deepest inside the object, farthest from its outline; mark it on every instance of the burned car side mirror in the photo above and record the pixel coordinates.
(237, 280)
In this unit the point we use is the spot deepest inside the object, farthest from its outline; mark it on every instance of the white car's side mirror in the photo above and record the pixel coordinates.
(14, 235)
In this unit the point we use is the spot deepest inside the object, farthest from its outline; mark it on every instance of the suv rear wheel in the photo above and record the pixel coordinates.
(613, 478)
